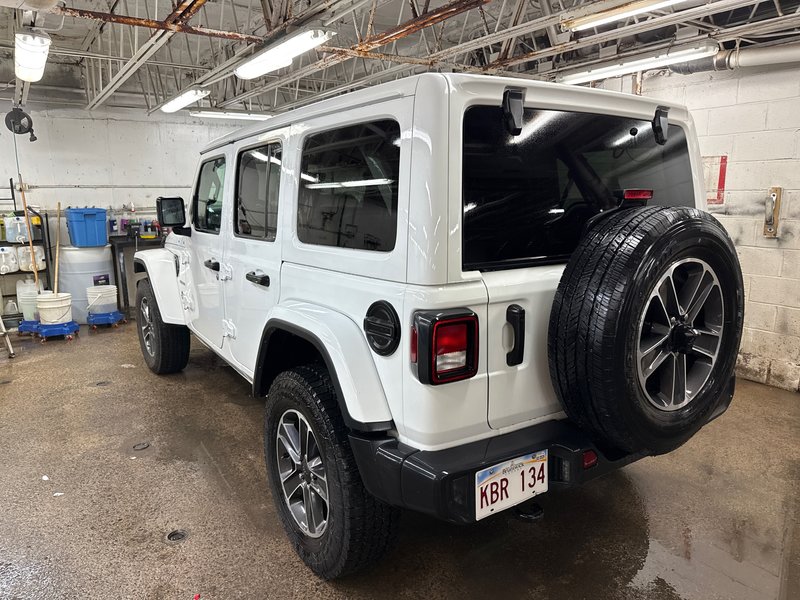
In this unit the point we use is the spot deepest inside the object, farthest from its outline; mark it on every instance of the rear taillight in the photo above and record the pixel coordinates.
(444, 345)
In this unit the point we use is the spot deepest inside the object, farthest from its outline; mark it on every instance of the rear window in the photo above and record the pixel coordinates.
(526, 198)
(348, 187)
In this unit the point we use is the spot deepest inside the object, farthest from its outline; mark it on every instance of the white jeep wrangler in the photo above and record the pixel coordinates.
(456, 292)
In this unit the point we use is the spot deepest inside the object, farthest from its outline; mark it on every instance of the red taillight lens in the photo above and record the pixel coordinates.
(637, 194)
(589, 459)
(444, 345)
(450, 347)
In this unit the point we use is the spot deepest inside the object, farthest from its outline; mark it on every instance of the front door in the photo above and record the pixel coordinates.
(253, 253)
(204, 303)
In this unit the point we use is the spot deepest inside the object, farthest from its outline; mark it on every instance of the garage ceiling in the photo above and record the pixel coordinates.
(101, 60)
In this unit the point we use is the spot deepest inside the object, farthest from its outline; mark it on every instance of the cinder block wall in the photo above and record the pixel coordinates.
(753, 117)
(107, 158)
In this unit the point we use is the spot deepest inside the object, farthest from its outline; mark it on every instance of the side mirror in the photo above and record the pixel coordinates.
(171, 213)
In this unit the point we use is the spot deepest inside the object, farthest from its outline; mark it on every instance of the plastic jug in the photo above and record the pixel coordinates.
(16, 230)
(8, 260)
(24, 258)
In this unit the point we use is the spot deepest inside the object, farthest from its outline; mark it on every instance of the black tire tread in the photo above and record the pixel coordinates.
(370, 526)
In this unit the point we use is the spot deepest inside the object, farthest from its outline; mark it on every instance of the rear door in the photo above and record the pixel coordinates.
(526, 200)
(253, 253)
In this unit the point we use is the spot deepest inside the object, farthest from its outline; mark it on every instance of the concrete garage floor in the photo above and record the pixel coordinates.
(83, 515)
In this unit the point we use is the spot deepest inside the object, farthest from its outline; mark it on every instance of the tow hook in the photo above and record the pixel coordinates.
(529, 512)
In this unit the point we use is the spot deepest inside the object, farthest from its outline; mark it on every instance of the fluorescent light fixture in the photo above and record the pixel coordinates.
(281, 54)
(619, 13)
(229, 114)
(643, 62)
(348, 184)
(307, 177)
(188, 97)
(31, 48)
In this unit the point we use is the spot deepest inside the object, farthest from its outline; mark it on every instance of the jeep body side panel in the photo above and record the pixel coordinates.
(159, 264)
(342, 340)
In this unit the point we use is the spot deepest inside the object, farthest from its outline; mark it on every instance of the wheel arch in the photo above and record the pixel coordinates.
(292, 337)
(161, 268)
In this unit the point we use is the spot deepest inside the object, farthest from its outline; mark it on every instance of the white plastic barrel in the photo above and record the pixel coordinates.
(81, 268)
(54, 308)
(102, 299)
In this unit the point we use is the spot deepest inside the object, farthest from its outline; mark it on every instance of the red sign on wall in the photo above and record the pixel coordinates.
(715, 169)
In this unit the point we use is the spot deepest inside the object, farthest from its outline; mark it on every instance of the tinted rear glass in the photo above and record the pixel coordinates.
(526, 198)
(348, 187)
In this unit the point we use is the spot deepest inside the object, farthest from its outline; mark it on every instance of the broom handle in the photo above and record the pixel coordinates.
(30, 233)
(58, 242)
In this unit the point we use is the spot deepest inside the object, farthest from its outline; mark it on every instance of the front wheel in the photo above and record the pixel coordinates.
(165, 347)
(334, 524)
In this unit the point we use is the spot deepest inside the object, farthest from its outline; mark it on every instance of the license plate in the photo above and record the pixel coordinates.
(509, 483)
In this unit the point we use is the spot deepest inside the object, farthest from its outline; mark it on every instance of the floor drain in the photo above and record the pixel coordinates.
(141, 446)
(177, 536)
(102, 383)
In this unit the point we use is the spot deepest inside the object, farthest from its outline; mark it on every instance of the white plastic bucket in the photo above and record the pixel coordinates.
(102, 299)
(54, 308)
(27, 300)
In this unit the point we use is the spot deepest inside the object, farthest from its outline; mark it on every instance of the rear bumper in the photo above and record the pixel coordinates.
(442, 483)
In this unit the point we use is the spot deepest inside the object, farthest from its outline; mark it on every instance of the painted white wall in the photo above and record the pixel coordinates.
(135, 157)
(753, 117)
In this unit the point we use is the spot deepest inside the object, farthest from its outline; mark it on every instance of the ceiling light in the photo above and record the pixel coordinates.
(229, 114)
(619, 13)
(30, 54)
(188, 97)
(281, 54)
(642, 62)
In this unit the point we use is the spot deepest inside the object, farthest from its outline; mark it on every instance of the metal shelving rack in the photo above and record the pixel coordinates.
(43, 229)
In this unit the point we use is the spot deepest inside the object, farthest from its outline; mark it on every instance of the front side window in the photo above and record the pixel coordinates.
(527, 198)
(208, 196)
(348, 187)
(257, 189)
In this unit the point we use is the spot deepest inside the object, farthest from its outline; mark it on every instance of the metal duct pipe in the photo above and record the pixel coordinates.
(725, 60)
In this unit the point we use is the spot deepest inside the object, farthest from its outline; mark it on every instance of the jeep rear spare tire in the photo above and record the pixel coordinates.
(645, 327)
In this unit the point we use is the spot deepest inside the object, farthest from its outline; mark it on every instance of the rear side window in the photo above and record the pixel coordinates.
(526, 198)
(348, 187)
(208, 196)
(257, 189)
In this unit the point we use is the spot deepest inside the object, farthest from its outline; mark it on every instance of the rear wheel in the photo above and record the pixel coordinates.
(334, 524)
(165, 347)
(645, 327)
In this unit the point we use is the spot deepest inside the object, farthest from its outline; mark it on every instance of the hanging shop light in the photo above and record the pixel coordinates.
(642, 62)
(186, 98)
(281, 54)
(619, 13)
(31, 47)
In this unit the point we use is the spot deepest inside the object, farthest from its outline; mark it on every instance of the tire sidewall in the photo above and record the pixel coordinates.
(288, 392)
(659, 430)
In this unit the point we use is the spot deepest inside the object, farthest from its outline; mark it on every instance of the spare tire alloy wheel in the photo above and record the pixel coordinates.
(645, 327)
(679, 334)
(302, 471)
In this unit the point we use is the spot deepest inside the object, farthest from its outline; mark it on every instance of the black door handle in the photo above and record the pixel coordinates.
(515, 315)
(212, 264)
(258, 279)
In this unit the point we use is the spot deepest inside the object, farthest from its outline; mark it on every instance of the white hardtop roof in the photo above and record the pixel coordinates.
(407, 87)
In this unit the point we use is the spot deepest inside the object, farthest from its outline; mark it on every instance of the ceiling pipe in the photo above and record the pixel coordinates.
(726, 60)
